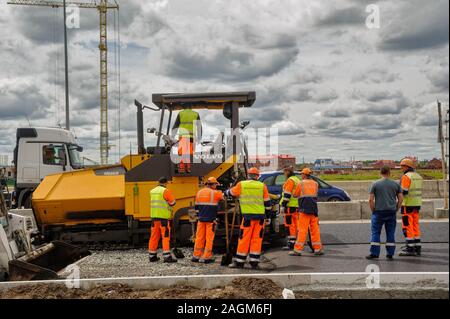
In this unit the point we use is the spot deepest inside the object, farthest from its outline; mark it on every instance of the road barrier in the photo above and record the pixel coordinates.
(358, 190)
(355, 210)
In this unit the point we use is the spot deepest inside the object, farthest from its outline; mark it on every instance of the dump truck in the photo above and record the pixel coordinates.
(110, 204)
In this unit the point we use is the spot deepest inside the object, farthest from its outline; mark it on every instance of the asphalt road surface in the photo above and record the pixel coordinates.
(345, 245)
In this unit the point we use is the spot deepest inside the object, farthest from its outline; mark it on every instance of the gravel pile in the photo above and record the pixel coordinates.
(134, 263)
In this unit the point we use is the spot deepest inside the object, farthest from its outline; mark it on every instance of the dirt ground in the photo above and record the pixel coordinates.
(240, 288)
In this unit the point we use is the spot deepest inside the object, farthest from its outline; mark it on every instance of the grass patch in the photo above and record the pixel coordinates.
(427, 174)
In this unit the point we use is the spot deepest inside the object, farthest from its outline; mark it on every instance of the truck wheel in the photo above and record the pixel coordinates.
(184, 234)
(27, 202)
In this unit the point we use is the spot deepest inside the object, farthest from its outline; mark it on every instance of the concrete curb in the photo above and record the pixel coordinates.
(293, 281)
(358, 190)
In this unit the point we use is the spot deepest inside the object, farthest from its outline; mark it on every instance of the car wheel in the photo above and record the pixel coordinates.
(334, 199)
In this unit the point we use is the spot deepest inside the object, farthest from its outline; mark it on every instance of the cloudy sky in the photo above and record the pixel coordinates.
(331, 85)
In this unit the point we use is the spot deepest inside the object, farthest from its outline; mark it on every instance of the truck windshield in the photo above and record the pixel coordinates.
(74, 156)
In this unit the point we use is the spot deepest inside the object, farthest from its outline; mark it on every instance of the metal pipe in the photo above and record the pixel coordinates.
(66, 67)
(444, 163)
(168, 123)
(140, 127)
(158, 148)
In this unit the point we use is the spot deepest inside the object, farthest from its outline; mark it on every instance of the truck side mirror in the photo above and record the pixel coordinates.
(62, 157)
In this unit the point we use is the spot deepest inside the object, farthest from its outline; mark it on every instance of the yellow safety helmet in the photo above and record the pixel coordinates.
(407, 162)
(306, 171)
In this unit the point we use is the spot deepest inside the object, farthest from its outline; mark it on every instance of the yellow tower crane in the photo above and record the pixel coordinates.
(102, 6)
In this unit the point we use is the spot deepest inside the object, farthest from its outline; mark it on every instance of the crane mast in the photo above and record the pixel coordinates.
(102, 6)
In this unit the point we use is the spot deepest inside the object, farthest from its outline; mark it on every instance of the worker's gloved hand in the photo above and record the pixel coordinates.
(267, 221)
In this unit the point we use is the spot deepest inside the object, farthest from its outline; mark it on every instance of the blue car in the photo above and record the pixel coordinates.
(327, 192)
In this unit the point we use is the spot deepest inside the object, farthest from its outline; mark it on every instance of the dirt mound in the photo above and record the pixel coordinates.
(240, 288)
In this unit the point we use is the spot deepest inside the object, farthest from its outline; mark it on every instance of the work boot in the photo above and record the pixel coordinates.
(153, 258)
(170, 259)
(409, 251)
(418, 250)
(195, 260)
(254, 264)
(236, 265)
(294, 253)
(389, 257)
(318, 252)
(209, 261)
(372, 257)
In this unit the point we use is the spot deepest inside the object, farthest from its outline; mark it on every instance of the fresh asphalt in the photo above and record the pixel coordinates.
(347, 243)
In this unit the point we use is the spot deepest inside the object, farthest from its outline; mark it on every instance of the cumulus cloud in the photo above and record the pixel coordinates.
(318, 72)
(416, 25)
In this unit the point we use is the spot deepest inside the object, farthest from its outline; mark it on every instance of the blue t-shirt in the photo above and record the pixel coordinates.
(386, 192)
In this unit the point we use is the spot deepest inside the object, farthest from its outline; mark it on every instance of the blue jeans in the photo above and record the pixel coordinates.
(388, 219)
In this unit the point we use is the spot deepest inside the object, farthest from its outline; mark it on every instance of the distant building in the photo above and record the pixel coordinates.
(322, 164)
(8, 171)
(381, 163)
(4, 160)
(434, 164)
(272, 162)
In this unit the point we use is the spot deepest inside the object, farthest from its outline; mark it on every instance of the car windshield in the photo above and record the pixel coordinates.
(74, 155)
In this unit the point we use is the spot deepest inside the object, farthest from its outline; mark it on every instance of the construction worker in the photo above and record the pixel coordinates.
(206, 203)
(185, 122)
(306, 192)
(411, 183)
(255, 205)
(161, 201)
(289, 207)
(385, 200)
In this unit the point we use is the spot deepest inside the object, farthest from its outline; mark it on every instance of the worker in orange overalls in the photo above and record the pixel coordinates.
(306, 192)
(206, 203)
(411, 183)
(189, 130)
(161, 201)
(254, 202)
(289, 207)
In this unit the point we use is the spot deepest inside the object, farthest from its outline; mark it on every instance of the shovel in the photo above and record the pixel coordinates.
(228, 257)
(175, 250)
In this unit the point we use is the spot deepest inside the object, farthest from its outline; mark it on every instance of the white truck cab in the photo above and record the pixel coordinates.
(40, 152)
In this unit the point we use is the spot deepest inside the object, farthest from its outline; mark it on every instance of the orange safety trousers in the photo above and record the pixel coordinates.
(185, 150)
(410, 227)
(204, 240)
(312, 222)
(160, 227)
(250, 240)
(291, 223)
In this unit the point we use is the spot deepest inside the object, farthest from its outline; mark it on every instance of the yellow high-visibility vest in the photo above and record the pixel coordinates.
(293, 202)
(251, 199)
(187, 118)
(414, 196)
(159, 208)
